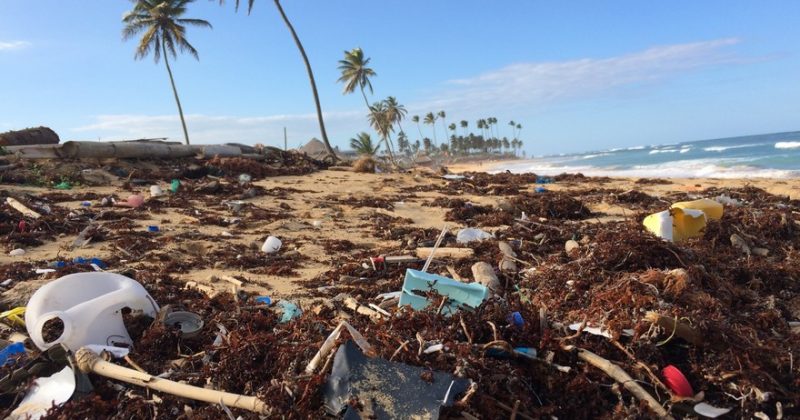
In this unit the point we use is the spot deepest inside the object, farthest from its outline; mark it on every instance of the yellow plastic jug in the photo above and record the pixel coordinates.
(683, 220)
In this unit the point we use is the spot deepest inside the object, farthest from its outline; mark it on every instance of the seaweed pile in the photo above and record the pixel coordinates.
(723, 313)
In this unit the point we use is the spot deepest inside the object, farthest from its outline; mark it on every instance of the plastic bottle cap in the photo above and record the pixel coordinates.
(675, 380)
(152, 229)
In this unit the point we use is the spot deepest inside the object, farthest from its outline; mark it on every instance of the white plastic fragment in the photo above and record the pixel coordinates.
(271, 245)
(46, 392)
(17, 252)
(708, 410)
(433, 348)
(117, 352)
(44, 270)
(468, 235)
(599, 331)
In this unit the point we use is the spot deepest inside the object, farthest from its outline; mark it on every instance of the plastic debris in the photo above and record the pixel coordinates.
(135, 201)
(516, 319)
(13, 315)
(153, 229)
(404, 391)
(289, 310)
(46, 392)
(540, 189)
(708, 410)
(271, 245)
(467, 235)
(417, 283)
(683, 220)
(88, 315)
(245, 178)
(17, 252)
(8, 353)
(264, 300)
(175, 185)
(63, 185)
(676, 382)
(189, 323)
(155, 191)
(453, 177)
(117, 352)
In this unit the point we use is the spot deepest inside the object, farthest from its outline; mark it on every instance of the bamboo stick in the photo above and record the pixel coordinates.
(16, 205)
(90, 362)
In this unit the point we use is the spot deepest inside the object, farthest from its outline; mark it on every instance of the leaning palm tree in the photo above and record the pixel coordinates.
(380, 120)
(297, 42)
(430, 119)
(164, 30)
(362, 144)
(355, 73)
(396, 111)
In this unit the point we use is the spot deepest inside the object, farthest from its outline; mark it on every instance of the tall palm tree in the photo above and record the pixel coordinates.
(464, 125)
(362, 144)
(427, 144)
(481, 124)
(402, 142)
(415, 120)
(442, 115)
(380, 120)
(396, 111)
(164, 30)
(513, 126)
(519, 129)
(355, 72)
(430, 119)
(297, 42)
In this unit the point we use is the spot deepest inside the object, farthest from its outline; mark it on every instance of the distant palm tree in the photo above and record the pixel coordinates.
(430, 119)
(464, 125)
(164, 29)
(362, 144)
(506, 143)
(427, 144)
(481, 124)
(297, 42)
(415, 119)
(442, 115)
(452, 128)
(355, 72)
(513, 125)
(402, 142)
(519, 129)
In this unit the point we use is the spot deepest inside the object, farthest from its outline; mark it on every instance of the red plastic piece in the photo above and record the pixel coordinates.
(675, 380)
(21, 226)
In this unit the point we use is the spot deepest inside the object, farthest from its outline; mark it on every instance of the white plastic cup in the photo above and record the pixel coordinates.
(155, 191)
(271, 245)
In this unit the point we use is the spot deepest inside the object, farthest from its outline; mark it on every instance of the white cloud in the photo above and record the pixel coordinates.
(538, 83)
(13, 45)
(206, 129)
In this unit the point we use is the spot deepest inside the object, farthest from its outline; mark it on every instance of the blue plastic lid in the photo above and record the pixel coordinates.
(264, 299)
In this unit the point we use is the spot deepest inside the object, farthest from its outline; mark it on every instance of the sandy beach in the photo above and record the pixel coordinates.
(206, 257)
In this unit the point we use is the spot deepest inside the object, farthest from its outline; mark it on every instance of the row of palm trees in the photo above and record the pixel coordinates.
(385, 114)
(163, 30)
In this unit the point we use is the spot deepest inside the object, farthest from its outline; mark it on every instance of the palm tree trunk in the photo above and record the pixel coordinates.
(175, 91)
(366, 101)
(324, 134)
(419, 128)
(444, 123)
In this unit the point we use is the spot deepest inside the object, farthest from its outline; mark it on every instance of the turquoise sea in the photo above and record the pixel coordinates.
(774, 155)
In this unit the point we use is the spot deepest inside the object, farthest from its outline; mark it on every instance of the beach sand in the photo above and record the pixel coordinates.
(321, 199)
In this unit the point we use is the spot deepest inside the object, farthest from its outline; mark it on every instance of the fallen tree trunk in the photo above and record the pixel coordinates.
(29, 136)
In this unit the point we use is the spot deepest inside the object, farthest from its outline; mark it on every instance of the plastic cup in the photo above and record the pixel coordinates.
(271, 245)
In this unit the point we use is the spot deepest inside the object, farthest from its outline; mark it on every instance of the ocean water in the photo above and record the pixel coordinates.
(774, 155)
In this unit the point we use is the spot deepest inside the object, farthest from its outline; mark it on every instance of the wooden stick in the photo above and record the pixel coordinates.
(457, 253)
(90, 362)
(353, 304)
(680, 329)
(619, 375)
(16, 205)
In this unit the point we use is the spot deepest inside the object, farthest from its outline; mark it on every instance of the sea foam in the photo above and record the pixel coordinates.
(787, 145)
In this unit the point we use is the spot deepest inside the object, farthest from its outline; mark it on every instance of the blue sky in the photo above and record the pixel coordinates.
(579, 75)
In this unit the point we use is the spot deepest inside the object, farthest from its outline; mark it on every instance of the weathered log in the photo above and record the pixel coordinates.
(456, 253)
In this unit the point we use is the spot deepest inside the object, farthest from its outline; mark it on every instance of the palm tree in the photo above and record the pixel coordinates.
(464, 125)
(430, 119)
(355, 73)
(427, 144)
(415, 119)
(380, 120)
(506, 143)
(297, 42)
(513, 125)
(452, 128)
(362, 144)
(481, 124)
(519, 129)
(396, 111)
(402, 142)
(164, 29)
(442, 115)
